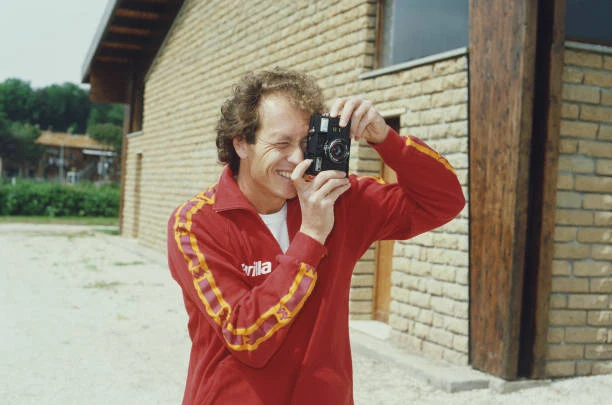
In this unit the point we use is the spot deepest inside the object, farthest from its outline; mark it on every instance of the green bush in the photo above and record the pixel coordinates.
(56, 200)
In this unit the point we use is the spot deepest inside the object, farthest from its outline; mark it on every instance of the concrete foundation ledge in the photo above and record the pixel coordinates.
(365, 339)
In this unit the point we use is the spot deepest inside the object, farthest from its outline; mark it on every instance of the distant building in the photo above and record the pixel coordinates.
(73, 158)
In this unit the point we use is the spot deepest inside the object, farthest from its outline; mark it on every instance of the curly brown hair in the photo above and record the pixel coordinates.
(240, 113)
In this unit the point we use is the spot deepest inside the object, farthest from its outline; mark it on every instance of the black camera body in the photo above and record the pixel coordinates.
(328, 144)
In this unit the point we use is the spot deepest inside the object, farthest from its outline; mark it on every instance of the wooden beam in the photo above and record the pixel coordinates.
(121, 45)
(143, 32)
(543, 189)
(137, 14)
(501, 70)
(109, 83)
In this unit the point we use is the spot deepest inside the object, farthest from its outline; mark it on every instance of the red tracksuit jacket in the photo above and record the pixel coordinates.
(269, 328)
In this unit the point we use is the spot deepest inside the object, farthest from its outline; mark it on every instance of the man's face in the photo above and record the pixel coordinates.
(265, 166)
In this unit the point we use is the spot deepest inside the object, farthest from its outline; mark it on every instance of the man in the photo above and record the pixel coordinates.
(265, 256)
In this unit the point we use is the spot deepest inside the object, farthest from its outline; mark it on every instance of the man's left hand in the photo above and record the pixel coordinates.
(366, 122)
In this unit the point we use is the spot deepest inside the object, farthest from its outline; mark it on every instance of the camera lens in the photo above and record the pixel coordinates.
(337, 151)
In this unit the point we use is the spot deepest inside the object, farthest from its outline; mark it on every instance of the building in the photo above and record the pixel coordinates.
(518, 97)
(72, 158)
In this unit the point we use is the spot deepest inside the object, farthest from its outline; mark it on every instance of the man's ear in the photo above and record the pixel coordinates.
(240, 146)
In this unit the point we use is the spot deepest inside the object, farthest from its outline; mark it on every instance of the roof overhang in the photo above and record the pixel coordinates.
(129, 36)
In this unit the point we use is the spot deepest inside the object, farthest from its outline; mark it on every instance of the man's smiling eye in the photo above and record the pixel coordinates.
(282, 145)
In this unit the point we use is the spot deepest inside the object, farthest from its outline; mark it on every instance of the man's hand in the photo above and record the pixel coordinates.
(317, 198)
(366, 122)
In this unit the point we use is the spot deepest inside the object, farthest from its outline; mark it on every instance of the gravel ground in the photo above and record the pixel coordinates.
(92, 318)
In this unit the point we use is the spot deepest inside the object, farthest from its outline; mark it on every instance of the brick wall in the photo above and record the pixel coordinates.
(580, 333)
(211, 45)
(429, 308)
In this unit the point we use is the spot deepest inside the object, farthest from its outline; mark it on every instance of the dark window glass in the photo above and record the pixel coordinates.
(412, 29)
(589, 21)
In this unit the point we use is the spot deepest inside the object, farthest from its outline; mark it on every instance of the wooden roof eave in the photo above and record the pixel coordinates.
(130, 34)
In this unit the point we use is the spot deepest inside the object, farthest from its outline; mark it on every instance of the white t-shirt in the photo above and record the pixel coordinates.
(277, 223)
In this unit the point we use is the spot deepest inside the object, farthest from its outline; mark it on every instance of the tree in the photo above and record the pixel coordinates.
(18, 149)
(102, 113)
(60, 106)
(28, 152)
(107, 134)
(17, 100)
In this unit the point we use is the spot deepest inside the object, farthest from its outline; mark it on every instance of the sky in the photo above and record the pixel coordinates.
(46, 42)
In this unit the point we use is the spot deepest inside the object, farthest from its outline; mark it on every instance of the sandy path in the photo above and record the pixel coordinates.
(91, 318)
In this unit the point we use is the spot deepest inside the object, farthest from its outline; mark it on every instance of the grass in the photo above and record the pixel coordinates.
(134, 263)
(60, 220)
(103, 285)
(108, 231)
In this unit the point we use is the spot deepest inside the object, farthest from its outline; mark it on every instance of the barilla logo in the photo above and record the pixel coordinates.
(257, 269)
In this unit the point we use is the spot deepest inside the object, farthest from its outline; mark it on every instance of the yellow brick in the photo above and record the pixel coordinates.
(593, 113)
(450, 66)
(605, 132)
(603, 219)
(560, 368)
(576, 163)
(572, 74)
(584, 368)
(569, 199)
(574, 217)
(600, 318)
(597, 184)
(581, 93)
(567, 284)
(361, 294)
(602, 252)
(602, 368)
(362, 280)
(567, 317)
(595, 148)
(360, 307)
(565, 182)
(599, 78)
(606, 97)
(584, 335)
(568, 146)
(571, 251)
(586, 59)
(558, 301)
(594, 235)
(570, 111)
(602, 352)
(601, 285)
(604, 167)
(555, 335)
(597, 202)
(561, 268)
(565, 352)
(593, 268)
(579, 129)
(587, 301)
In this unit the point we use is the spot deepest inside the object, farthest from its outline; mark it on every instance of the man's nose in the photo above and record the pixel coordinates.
(296, 155)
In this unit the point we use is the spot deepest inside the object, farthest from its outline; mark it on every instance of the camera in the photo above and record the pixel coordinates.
(328, 144)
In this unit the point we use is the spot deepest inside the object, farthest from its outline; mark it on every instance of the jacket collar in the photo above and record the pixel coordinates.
(228, 195)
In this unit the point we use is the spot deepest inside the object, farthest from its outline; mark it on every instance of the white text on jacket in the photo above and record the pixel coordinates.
(257, 269)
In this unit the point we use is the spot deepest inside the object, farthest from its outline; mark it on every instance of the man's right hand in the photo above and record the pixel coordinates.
(317, 197)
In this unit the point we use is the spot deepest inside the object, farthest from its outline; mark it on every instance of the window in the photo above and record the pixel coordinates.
(589, 21)
(412, 29)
